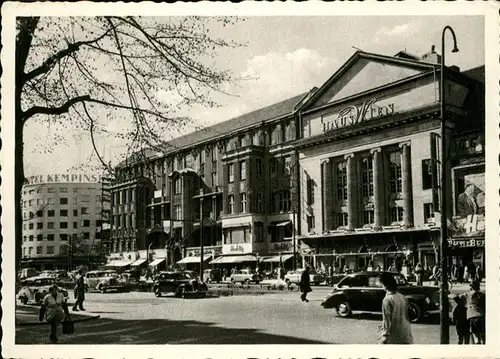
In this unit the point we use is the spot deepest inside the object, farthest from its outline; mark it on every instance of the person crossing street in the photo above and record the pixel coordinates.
(79, 293)
(305, 284)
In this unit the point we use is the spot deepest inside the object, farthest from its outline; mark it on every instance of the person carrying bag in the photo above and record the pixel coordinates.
(55, 311)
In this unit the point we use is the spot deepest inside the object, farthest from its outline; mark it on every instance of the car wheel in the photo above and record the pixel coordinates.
(103, 290)
(415, 312)
(24, 300)
(179, 293)
(287, 281)
(343, 309)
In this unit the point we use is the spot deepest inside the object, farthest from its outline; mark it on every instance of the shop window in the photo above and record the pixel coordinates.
(429, 174)
(395, 175)
(396, 214)
(429, 213)
(230, 172)
(368, 217)
(341, 174)
(230, 207)
(243, 170)
(367, 176)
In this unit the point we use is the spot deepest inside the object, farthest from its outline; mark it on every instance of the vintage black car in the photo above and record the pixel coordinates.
(181, 284)
(364, 292)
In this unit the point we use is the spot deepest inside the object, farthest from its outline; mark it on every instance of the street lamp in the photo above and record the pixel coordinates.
(444, 315)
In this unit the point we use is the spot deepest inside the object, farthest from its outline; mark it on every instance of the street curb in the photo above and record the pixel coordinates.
(85, 319)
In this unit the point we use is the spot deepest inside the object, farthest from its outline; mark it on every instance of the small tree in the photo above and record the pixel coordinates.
(83, 72)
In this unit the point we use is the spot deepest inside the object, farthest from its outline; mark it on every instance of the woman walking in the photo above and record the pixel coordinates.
(305, 284)
(476, 311)
(55, 309)
(396, 327)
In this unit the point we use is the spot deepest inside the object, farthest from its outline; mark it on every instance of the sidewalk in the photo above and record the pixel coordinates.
(28, 315)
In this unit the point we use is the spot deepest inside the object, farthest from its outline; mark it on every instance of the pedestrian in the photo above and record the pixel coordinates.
(479, 274)
(79, 293)
(460, 319)
(419, 273)
(476, 310)
(396, 327)
(55, 309)
(224, 274)
(305, 284)
(466, 274)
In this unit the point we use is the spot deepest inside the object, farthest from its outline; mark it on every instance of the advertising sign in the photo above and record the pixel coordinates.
(240, 248)
(65, 178)
(469, 205)
(285, 246)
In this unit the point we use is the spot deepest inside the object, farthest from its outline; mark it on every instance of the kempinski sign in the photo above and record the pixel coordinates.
(64, 178)
(352, 115)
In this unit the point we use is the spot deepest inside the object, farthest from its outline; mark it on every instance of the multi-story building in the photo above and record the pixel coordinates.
(348, 170)
(62, 223)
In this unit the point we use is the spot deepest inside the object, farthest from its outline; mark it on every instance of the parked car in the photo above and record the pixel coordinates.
(93, 278)
(363, 292)
(182, 284)
(212, 275)
(36, 288)
(28, 273)
(294, 277)
(245, 276)
(117, 283)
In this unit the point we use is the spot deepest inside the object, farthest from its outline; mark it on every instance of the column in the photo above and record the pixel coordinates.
(326, 195)
(352, 185)
(378, 187)
(407, 184)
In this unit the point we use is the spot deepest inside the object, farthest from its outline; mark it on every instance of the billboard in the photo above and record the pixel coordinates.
(469, 220)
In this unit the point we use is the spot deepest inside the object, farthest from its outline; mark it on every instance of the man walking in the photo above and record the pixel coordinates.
(79, 293)
(305, 284)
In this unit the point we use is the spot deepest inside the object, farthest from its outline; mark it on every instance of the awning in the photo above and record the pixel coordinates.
(276, 259)
(234, 259)
(280, 223)
(138, 262)
(235, 225)
(118, 264)
(194, 259)
(156, 262)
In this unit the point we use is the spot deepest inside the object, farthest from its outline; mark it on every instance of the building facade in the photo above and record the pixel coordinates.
(347, 174)
(62, 225)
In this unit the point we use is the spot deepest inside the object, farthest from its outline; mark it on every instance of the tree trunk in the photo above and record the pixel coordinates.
(18, 188)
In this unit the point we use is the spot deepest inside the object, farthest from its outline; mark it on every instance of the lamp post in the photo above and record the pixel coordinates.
(201, 237)
(293, 240)
(444, 315)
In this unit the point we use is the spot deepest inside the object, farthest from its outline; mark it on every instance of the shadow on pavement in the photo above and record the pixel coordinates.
(156, 331)
(430, 319)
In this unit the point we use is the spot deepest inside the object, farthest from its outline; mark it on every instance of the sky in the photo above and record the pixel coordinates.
(282, 57)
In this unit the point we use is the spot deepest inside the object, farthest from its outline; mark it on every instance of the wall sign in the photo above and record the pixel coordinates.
(282, 246)
(65, 178)
(240, 248)
(352, 115)
(466, 243)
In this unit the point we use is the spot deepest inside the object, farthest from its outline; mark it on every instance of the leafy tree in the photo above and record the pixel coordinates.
(82, 72)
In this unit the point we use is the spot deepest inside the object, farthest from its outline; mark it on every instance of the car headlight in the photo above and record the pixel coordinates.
(428, 300)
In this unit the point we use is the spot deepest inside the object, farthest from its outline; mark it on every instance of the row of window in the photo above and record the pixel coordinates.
(39, 250)
(52, 213)
(62, 225)
(54, 190)
(62, 236)
(62, 200)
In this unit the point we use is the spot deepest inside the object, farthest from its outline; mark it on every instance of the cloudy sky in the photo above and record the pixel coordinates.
(283, 57)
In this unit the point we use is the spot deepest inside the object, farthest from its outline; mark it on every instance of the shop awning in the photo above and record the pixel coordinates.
(280, 223)
(276, 259)
(117, 263)
(139, 262)
(194, 259)
(234, 259)
(156, 262)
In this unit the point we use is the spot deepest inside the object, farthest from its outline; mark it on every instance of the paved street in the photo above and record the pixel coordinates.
(278, 318)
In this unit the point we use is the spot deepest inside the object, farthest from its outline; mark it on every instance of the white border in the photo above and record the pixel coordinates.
(11, 10)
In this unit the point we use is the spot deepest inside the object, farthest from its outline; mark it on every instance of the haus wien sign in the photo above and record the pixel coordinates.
(355, 114)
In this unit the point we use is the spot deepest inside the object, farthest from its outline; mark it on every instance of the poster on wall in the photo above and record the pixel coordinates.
(469, 205)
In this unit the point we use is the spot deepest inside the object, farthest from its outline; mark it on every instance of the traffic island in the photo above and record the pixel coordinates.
(27, 315)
